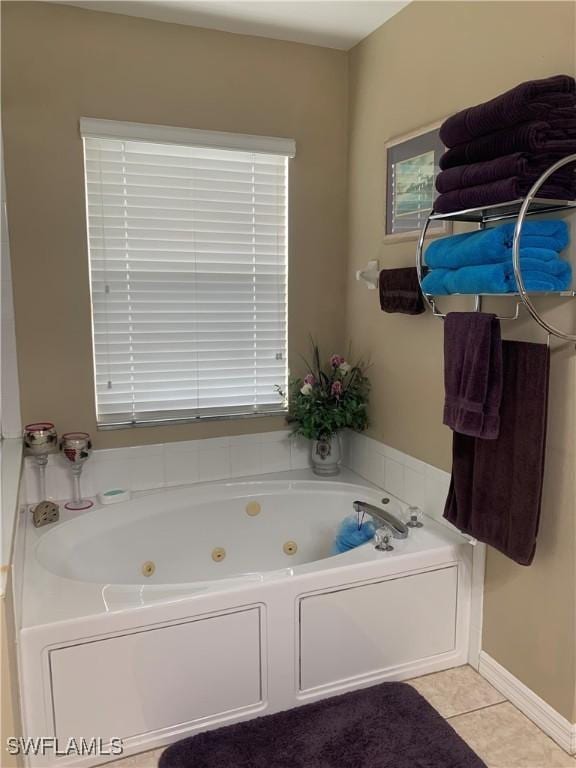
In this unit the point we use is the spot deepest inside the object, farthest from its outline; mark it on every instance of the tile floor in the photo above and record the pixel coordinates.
(499, 733)
(493, 727)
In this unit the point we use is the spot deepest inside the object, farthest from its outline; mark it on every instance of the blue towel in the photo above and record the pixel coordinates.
(488, 278)
(538, 280)
(553, 275)
(553, 233)
(350, 535)
(491, 246)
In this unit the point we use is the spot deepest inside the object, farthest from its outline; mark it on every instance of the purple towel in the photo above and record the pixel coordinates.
(502, 191)
(528, 167)
(528, 101)
(543, 136)
(400, 291)
(472, 373)
(496, 488)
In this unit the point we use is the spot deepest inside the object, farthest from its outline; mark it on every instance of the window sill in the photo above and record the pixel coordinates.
(168, 422)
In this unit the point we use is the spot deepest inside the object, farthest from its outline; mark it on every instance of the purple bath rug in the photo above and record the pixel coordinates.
(386, 726)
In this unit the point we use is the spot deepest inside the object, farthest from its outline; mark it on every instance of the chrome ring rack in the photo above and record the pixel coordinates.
(525, 297)
(518, 209)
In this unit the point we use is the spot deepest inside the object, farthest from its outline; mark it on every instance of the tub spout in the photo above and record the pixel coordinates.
(383, 519)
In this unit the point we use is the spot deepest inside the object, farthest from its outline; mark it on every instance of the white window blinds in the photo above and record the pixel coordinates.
(188, 267)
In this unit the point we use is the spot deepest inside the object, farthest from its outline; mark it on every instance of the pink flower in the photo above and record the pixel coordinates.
(310, 379)
(337, 388)
(336, 361)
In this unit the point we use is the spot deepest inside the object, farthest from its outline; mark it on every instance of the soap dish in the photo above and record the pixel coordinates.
(114, 496)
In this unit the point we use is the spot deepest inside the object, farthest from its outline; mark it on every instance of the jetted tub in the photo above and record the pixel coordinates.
(187, 609)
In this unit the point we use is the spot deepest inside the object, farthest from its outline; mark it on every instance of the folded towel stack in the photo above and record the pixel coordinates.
(481, 261)
(498, 149)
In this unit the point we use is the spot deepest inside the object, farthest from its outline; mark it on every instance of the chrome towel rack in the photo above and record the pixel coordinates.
(519, 210)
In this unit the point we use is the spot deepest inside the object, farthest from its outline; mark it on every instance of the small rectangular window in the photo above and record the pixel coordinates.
(188, 248)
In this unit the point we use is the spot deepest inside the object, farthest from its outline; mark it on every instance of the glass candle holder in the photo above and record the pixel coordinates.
(76, 447)
(40, 439)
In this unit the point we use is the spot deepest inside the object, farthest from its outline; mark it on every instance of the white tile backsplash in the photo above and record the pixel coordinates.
(214, 459)
(182, 463)
(108, 469)
(373, 467)
(404, 476)
(171, 464)
(416, 482)
(437, 485)
(245, 459)
(147, 467)
(299, 453)
(276, 456)
(394, 477)
(60, 477)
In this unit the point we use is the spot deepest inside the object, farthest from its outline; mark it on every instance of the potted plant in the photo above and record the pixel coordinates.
(328, 399)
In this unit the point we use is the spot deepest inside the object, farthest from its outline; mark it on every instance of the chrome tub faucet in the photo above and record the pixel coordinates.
(383, 519)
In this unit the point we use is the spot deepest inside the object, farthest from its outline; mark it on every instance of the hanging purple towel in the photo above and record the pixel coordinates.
(496, 488)
(400, 291)
(531, 100)
(472, 373)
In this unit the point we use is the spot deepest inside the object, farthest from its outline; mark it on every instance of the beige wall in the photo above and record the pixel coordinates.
(59, 63)
(427, 62)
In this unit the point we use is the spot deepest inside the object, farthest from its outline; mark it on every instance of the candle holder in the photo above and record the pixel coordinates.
(40, 439)
(76, 447)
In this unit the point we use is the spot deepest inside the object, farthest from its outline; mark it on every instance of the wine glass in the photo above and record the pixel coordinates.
(76, 447)
(40, 439)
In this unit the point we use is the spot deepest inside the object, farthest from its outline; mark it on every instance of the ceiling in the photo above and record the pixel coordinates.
(330, 23)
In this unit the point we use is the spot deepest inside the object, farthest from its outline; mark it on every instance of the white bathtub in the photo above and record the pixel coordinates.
(106, 651)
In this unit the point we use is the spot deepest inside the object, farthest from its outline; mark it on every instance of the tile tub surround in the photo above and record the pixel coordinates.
(141, 468)
(405, 477)
(148, 467)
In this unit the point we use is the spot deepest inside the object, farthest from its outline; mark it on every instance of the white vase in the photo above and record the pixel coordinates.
(326, 456)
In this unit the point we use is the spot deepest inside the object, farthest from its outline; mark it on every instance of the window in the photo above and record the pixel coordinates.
(188, 253)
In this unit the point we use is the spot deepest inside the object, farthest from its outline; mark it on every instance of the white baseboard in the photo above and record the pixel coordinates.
(536, 709)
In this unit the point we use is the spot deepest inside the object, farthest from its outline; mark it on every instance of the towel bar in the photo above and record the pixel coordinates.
(518, 209)
(477, 307)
